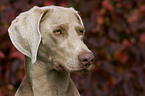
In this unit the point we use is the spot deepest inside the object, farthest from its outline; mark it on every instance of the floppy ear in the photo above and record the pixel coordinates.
(24, 32)
(79, 18)
(77, 15)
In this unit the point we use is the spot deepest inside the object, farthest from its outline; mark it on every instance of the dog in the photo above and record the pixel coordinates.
(51, 38)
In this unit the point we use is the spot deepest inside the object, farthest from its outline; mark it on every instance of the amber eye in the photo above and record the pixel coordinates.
(81, 32)
(58, 32)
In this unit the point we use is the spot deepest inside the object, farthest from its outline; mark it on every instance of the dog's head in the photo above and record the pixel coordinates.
(53, 34)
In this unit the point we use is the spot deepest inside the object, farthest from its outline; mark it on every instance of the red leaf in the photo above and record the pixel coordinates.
(142, 37)
(1, 72)
(64, 3)
(1, 94)
(126, 43)
(16, 54)
(2, 55)
(106, 4)
(111, 82)
(21, 73)
(134, 16)
(142, 8)
(122, 57)
(48, 3)
(100, 20)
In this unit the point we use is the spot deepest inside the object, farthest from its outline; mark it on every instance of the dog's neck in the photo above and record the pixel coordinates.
(47, 82)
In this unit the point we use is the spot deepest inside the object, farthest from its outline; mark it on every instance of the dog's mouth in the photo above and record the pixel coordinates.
(59, 68)
(82, 68)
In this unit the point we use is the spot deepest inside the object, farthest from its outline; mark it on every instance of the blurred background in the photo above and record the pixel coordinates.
(115, 32)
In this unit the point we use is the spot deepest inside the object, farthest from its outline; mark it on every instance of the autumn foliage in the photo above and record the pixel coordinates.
(115, 32)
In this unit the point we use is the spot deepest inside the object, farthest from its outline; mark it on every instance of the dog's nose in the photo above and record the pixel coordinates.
(86, 58)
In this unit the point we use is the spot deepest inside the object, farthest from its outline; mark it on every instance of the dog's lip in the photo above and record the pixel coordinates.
(87, 67)
(59, 68)
(82, 69)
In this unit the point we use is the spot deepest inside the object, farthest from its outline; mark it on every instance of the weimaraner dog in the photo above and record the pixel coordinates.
(51, 38)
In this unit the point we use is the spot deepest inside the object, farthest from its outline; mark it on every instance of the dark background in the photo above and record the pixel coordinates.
(115, 32)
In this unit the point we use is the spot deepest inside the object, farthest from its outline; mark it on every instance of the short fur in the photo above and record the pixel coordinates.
(34, 33)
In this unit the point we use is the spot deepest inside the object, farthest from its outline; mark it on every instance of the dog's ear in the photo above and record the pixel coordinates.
(24, 32)
(77, 15)
(79, 18)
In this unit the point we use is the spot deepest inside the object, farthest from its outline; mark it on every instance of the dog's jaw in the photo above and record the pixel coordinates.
(42, 81)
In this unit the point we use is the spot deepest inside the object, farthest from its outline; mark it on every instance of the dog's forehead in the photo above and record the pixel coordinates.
(63, 15)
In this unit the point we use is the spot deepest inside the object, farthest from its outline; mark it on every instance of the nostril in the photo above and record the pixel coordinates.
(85, 60)
(92, 60)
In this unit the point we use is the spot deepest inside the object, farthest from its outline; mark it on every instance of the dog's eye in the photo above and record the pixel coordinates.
(58, 32)
(82, 31)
